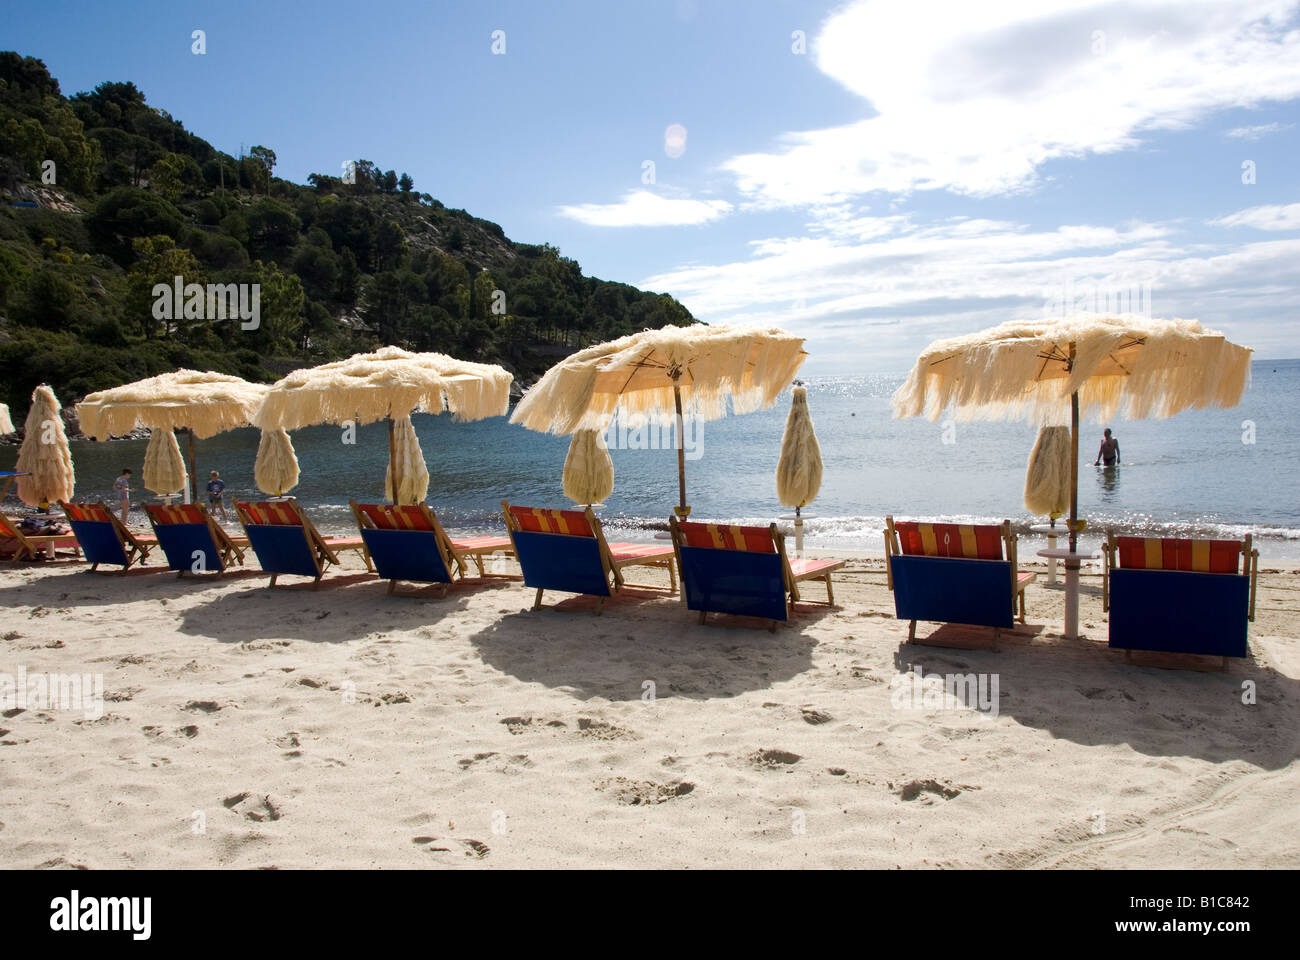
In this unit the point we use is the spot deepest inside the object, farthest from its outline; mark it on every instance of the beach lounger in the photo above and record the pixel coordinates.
(286, 542)
(566, 550)
(1180, 595)
(191, 540)
(408, 543)
(104, 538)
(743, 570)
(955, 573)
(33, 547)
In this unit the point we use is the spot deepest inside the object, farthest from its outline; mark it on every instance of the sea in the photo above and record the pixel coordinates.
(1210, 473)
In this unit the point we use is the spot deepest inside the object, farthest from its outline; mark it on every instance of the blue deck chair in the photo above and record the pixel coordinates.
(191, 540)
(104, 538)
(1173, 595)
(566, 550)
(286, 542)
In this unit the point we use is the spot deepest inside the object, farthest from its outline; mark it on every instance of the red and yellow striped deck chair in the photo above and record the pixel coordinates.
(955, 573)
(566, 550)
(1180, 595)
(191, 540)
(34, 546)
(743, 570)
(104, 538)
(287, 542)
(399, 558)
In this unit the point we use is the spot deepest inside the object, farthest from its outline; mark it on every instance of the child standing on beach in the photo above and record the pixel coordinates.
(216, 486)
(122, 490)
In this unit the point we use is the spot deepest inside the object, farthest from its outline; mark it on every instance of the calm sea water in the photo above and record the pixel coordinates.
(1191, 474)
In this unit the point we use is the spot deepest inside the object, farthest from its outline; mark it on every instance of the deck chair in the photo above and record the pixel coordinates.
(31, 547)
(743, 570)
(566, 550)
(286, 542)
(955, 573)
(104, 538)
(191, 540)
(1180, 595)
(408, 543)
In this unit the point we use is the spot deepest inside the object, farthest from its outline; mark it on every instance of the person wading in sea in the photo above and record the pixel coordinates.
(1109, 451)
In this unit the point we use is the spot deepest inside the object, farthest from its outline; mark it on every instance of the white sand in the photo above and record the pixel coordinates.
(345, 727)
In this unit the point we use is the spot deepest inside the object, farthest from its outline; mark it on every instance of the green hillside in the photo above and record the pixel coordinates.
(132, 199)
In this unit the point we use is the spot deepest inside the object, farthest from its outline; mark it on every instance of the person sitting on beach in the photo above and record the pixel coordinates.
(43, 525)
(122, 491)
(1109, 451)
(216, 486)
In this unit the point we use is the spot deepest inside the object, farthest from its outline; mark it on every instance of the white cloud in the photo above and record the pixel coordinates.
(641, 208)
(976, 97)
(874, 304)
(1278, 216)
(1257, 131)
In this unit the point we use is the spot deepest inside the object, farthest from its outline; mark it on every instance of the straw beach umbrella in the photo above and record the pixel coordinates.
(665, 375)
(588, 469)
(387, 384)
(1058, 370)
(799, 470)
(205, 403)
(44, 455)
(276, 469)
(412, 472)
(1047, 480)
(6, 425)
(164, 467)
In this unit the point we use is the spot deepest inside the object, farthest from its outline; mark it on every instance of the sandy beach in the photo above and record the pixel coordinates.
(342, 727)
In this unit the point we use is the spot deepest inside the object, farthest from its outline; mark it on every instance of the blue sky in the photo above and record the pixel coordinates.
(917, 171)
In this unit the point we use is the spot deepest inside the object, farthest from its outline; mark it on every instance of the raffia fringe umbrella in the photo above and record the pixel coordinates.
(1084, 364)
(44, 455)
(412, 472)
(664, 375)
(799, 469)
(6, 425)
(386, 384)
(164, 467)
(276, 469)
(588, 468)
(1047, 480)
(203, 402)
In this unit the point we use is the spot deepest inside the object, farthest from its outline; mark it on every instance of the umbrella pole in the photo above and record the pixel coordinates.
(682, 509)
(1072, 561)
(194, 477)
(392, 459)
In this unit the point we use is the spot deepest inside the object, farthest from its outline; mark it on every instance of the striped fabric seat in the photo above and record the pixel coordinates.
(971, 541)
(542, 520)
(270, 513)
(388, 517)
(163, 514)
(88, 512)
(727, 536)
(1168, 553)
(473, 544)
(630, 551)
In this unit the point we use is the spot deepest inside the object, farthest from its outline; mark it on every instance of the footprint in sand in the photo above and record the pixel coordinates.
(288, 741)
(814, 716)
(634, 793)
(504, 764)
(473, 848)
(927, 790)
(771, 759)
(206, 706)
(600, 730)
(257, 809)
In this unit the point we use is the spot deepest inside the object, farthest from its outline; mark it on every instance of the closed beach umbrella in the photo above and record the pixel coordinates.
(1051, 370)
(1047, 481)
(44, 456)
(202, 402)
(276, 468)
(164, 467)
(6, 425)
(588, 469)
(412, 472)
(799, 471)
(664, 375)
(387, 384)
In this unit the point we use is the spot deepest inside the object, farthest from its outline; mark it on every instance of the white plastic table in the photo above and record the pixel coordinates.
(1073, 561)
(1052, 533)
